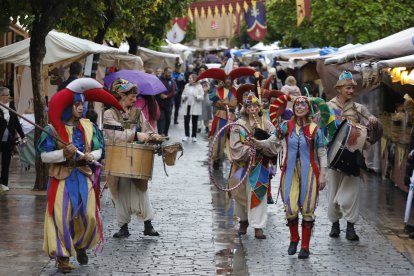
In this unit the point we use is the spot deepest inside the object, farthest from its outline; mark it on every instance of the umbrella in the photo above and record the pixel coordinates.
(147, 84)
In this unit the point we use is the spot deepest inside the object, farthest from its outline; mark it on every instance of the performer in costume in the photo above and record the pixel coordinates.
(72, 222)
(130, 195)
(250, 197)
(304, 166)
(222, 98)
(344, 189)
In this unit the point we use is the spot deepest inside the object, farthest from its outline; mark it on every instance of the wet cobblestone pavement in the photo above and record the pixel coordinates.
(199, 231)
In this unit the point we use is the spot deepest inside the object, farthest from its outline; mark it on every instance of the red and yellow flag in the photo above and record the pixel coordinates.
(302, 10)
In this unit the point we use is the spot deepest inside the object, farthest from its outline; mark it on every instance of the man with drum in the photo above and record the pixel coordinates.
(130, 195)
(344, 188)
(72, 221)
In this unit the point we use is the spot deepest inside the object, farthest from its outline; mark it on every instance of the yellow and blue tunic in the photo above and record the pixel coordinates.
(300, 171)
(72, 218)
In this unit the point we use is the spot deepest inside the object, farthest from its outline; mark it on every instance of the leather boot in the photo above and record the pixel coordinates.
(270, 200)
(350, 232)
(306, 236)
(243, 227)
(216, 165)
(63, 265)
(123, 232)
(149, 229)
(81, 256)
(258, 234)
(294, 235)
(335, 230)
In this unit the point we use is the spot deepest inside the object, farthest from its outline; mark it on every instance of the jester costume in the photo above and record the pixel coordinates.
(250, 197)
(222, 98)
(72, 221)
(305, 155)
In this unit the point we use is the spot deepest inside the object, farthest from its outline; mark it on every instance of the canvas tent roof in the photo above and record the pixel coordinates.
(407, 61)
(393, 46)
(59, 47)
(154, 59)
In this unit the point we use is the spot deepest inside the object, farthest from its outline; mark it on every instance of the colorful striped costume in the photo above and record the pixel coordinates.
(220, 118)
(300, 171)
(72, 218)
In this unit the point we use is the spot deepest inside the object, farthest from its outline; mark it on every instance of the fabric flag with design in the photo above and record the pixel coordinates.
(256, 21)
(178, 30)
(302, 10)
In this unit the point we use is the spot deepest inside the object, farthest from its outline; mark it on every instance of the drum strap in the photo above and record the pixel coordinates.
(113, 127)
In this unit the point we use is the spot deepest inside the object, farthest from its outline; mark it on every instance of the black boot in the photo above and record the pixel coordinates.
(81, 256)
(303, 253)
(123, 232)
(149, 230)
(350, 232)
(335, 230)
(216, 165)
(270, 200)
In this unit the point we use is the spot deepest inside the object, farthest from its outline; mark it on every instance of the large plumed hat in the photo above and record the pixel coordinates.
(220, 74)
(345, 79)
(82, 89)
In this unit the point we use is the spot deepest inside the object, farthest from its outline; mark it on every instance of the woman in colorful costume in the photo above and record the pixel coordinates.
(303, 171)
(224, 97)
(250, 197)
(72, 222)
(130, 195)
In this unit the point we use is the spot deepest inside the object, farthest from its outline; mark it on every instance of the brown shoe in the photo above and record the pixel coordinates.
(63, 265)
(81, 256)
(243, 227)
(258, 234)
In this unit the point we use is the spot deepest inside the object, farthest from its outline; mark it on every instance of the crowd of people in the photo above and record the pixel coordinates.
(209, 99)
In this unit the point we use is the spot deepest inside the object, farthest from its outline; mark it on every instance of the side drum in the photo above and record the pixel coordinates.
(345, 149)
(130, 160)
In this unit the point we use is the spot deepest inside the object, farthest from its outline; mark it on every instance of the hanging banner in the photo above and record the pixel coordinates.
(302, 10)
(178, 30)
(214, 26)
(256, 21)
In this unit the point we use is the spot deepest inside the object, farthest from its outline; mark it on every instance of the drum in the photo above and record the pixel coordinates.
(345, 149)
(129, 160)
(169, 153)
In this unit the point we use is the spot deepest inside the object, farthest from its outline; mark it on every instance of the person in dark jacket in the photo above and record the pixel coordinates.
(166, 101)
(75, 71)
(9, 125)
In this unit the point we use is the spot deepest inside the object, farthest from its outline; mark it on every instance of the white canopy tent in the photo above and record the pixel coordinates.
(393, 46)
(153, 59)
(407, 61)
(61, 50)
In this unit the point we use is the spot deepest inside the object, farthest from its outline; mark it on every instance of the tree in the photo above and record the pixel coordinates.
(335, 23)
(39, 17)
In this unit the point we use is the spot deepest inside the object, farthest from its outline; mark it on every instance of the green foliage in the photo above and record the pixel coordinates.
(336, 23)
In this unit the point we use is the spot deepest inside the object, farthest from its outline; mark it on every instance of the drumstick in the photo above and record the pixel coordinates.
(45, 131)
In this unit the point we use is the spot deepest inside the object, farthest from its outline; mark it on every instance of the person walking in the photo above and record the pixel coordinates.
(165, 102)
(9, 126)
(193, 95)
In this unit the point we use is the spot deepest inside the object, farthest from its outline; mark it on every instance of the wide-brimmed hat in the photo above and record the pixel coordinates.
(345, 79)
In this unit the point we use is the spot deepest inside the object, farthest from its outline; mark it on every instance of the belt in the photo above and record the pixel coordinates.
(71, 163)
(113, 127)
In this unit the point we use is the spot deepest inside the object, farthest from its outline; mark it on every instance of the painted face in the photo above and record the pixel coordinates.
(301, 108)
(77, 110)
(227, 82)
(346, 92)
(130, 100)
(252, 109)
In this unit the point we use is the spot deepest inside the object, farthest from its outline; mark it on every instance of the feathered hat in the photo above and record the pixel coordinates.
(242, 92)
(278, 106)
(345, 79)
(82, 89)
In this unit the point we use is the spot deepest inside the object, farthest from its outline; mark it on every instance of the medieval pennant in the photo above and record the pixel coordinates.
(178, 29)
(256, 21)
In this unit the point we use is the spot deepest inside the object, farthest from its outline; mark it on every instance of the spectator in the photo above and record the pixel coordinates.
(192, 97)
(179, 79)
(165, 102)
(290, 88)
(9, 124)
(75, 71)
(149, 108)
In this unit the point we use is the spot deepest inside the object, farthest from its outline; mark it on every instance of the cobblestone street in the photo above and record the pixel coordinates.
(199, 232)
